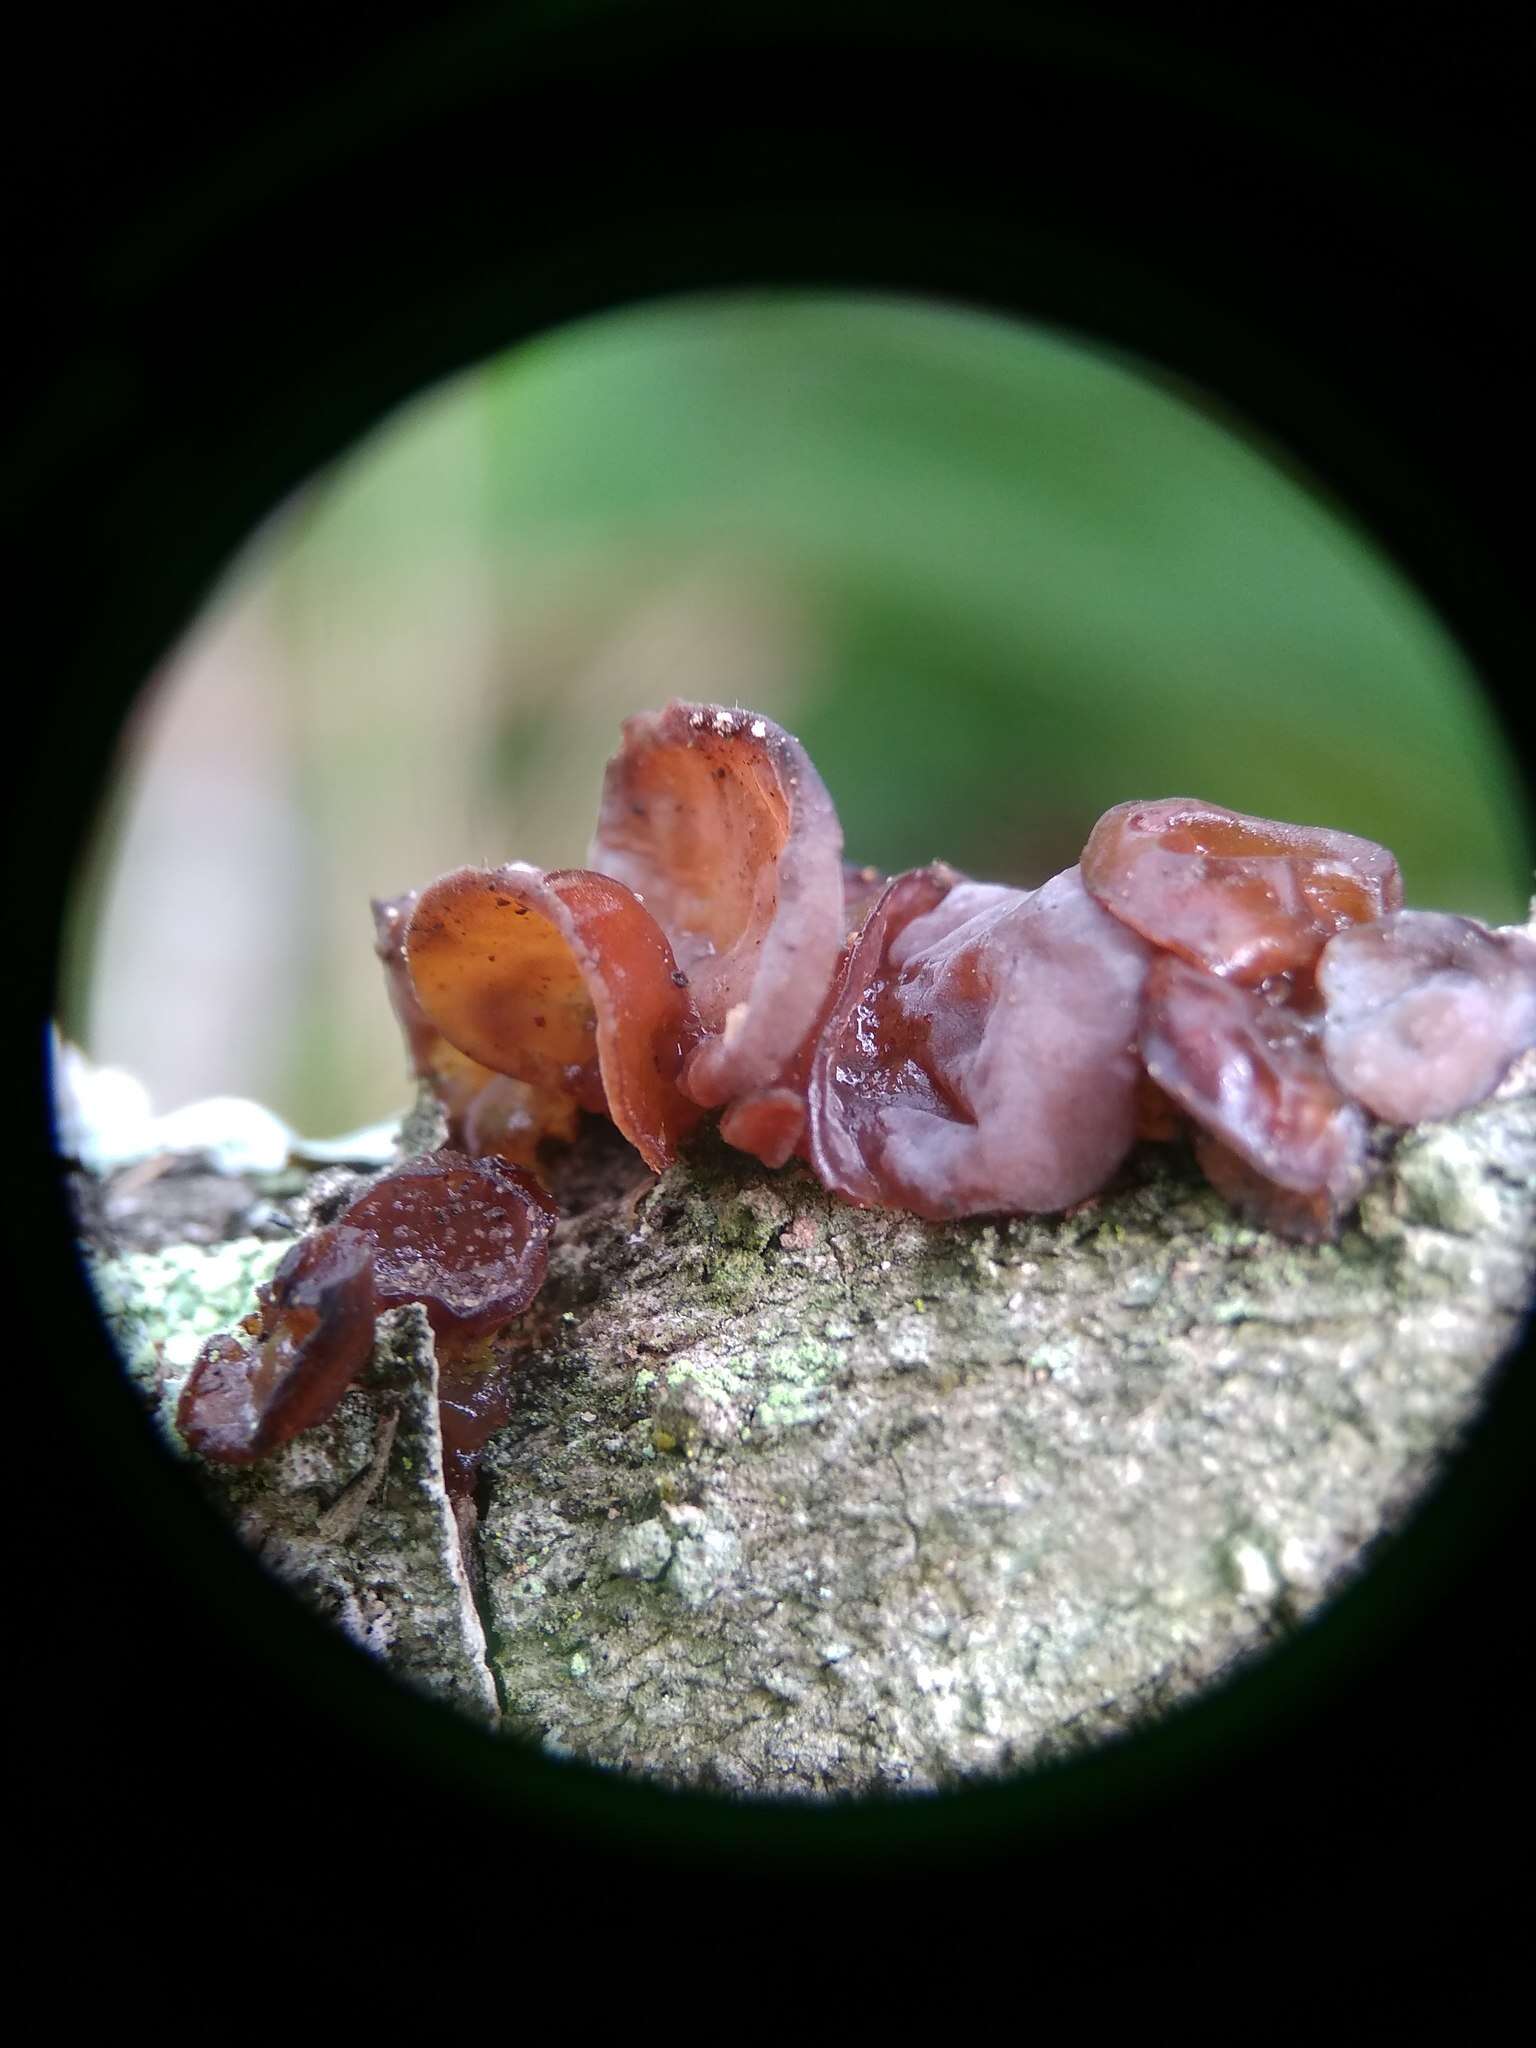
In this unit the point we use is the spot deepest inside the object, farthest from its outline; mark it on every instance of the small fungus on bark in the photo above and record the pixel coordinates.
(564, 981)
(312, 1336)
(467, 1238)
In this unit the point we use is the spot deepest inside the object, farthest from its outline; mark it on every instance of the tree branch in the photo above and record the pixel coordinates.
(801, 1498)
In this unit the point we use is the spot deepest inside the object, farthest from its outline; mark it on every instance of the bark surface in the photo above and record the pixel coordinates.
(798, 1498)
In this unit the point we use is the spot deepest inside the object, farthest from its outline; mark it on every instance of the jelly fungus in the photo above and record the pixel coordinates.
(718, 821)
(314, 1332)
(1250, 1072)
(1245, 898)
(467, 1238)
(1425, 1013)
(981, 1052)
(486, 1111)
(564, 981)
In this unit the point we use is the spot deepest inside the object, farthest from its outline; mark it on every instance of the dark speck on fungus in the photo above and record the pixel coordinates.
(927, 1042)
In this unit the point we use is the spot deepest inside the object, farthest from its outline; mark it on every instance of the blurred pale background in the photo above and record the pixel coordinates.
(996, 579)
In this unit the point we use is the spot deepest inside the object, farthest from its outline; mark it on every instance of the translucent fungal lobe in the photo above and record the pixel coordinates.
(564, 981)
(313, 1336)
(486, 1111)
(1242, 897)
(467, 1238)
(719, 823)
(1425, 1013)
(980, 1054)
(1250, 1072)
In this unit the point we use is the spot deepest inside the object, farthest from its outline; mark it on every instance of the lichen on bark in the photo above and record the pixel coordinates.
(798, 1498)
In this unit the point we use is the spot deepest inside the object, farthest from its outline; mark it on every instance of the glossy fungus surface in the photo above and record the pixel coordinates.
(1246, 898)
(467, 1238)
(980, 1053)
(1425, 1012)
(471, 1407)
(314, 1333)
(565, 982)
(1250, 1072)
(486, 1111)
(718, 821)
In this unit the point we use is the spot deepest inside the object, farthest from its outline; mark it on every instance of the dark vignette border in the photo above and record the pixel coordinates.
(243, 265)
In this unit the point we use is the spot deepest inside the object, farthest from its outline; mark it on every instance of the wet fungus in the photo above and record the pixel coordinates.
(1425, 1013)
(719, 823)
(1245, 898)
(312, 1336)
(924, 1042)
(565, 982)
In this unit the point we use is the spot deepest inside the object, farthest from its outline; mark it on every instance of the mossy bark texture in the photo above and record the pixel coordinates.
(798, 1498)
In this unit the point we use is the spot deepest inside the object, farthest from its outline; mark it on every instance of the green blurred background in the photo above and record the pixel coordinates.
(995, 578)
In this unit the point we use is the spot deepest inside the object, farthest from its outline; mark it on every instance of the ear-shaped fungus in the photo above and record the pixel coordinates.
(314, 1335)
(467, 1238)
(1281, 1141)
(486, 1111)
(719, 822)
(564, 981)
(979, 1054)
(1242, 897)
(1425, 1012)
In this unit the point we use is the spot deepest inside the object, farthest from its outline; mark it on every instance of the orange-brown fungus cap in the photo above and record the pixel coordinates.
(563, 980)
(315, 1335)
(718, 821)
(1242, 897)
(486, 1111)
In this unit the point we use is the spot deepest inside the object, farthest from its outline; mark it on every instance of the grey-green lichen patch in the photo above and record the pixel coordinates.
(161, 1307)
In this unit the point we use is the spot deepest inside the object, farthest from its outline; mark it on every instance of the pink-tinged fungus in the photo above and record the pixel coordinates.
(718, 821)
(1425, 1013)
(1250, 1072)
(979, 1055)
(564, 981)
(1245, 898)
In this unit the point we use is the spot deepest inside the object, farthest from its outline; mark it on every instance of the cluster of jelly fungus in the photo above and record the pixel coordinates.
(314, 1333)
(1245, 898)
(1425, 1013)
(486, 1111)
(719, 823)
(1250, 1072)
(563, 981)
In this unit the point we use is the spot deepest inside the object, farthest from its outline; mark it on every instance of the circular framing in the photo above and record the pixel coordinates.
(251, 317)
